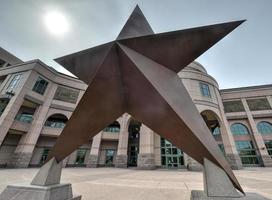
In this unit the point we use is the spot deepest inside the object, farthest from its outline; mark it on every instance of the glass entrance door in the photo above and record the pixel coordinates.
(133, 142)
(171, 156)
(109, 157)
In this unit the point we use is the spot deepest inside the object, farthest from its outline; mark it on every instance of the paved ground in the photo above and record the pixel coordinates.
(131, 184)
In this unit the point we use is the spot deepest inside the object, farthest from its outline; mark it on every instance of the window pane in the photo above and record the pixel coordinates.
(247, 152)
(264, 127)
(239, 129)
(40, 86)
(109, 156)
(171, 156)
(268, 144)
(44, 155)
(205, 90)
(25, 117)
(233, 106)
(81, 153)
(216, 131)
(258, 104)
(14, 82)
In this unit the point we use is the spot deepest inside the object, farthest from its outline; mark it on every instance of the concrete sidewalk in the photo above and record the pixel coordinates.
(131, 184)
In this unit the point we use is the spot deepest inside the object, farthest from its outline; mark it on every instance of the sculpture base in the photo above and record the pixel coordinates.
(33, 192)
(200, 195)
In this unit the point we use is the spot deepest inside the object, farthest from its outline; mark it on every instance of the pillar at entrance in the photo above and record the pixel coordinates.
(261, 148)
(231, 152)
(121, 157)
(23, 153)
(146, 157)
(157, 150)
(93, 158)
(7, 117)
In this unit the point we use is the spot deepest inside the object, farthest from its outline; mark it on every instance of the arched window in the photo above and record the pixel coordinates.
(239, 129)
(113, 127)
(212, 121)
(56, 121)
(264, 128)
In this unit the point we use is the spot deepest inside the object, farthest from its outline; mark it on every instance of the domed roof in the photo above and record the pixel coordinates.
(197, 67)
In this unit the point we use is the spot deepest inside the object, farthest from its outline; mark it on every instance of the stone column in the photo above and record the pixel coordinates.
(146, 157)
(157, 150)
(121, 155)
(71, 159)
(23, 152)
(231, 152)
(261, 148)
(13, 106)
(93, 158)
(64, 162)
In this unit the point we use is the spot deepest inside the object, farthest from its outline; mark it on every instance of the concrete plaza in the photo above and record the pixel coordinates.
(131, 184)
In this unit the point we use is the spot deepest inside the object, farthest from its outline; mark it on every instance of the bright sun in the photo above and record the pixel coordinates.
(56, 23)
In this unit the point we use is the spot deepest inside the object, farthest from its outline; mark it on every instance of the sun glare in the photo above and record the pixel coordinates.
(56, 23)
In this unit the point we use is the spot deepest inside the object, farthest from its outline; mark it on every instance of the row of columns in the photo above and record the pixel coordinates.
(146, 156)
(229, 142)
(24, 150)
(257, 137)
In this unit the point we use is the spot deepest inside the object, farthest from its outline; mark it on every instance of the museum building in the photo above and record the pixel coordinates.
(36, 101)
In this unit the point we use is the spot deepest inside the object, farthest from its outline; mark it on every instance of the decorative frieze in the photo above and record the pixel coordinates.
(66, 94)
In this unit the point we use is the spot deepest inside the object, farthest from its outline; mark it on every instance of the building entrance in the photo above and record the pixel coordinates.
(133, 142)
(171, 156)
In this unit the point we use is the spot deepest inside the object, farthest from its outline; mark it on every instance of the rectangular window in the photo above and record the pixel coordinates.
(268, 144)
(14, 82)
(44, 155)
(247, 152)
(81, 153)
(171, 156)
(258, 104)
(109, 156)
(205, 90)
(112, 129)
(233, 106)
(40, 86)
(24, 117)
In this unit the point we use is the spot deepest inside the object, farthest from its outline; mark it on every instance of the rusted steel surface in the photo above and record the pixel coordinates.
(137, 74)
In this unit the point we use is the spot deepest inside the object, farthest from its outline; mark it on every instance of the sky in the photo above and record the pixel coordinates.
(240, 59)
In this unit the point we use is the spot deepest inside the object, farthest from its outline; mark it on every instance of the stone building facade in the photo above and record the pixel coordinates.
(36, 101)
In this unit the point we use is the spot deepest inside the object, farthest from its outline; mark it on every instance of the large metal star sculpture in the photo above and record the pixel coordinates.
(137, 74)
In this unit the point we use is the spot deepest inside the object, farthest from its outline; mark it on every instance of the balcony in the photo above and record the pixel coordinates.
(20, 126)
(51, 131)
(110, 135)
